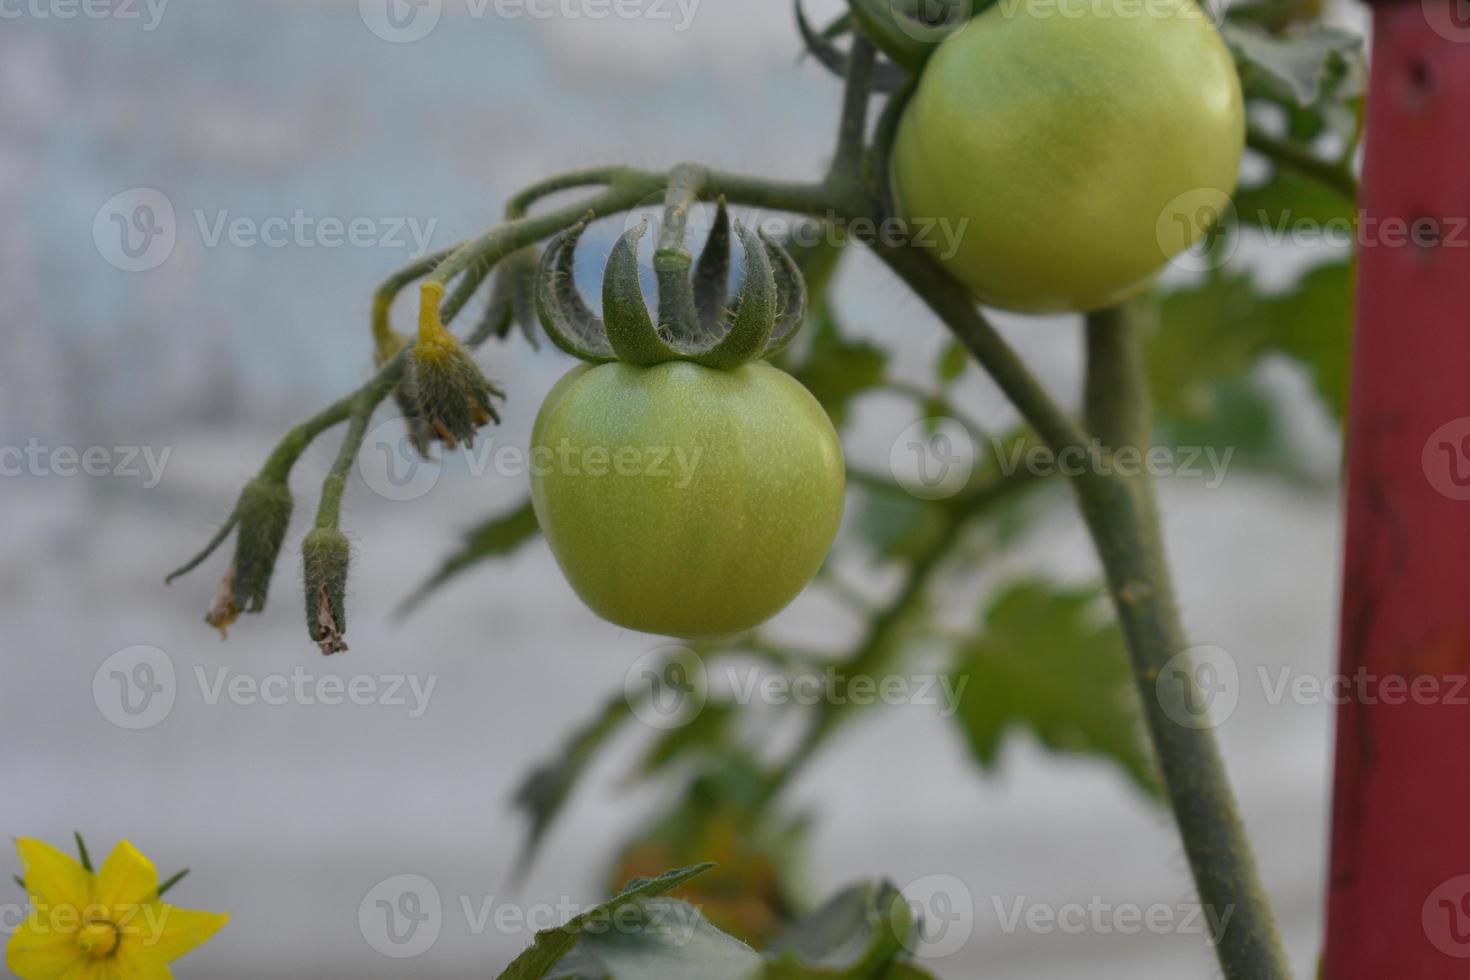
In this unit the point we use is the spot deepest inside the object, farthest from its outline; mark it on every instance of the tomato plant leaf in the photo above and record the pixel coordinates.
(552, 944)
(709, 730)
(836, 369)
(1301, 67)
(1044, 662)
(1287, 202)
(1313, 324)
(544, 791)
(951, 362)
(497, 537)
(859, 935)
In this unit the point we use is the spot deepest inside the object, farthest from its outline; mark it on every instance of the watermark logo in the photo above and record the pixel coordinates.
(1450, 19)
(66, 462)
(138, 687)
(931, 21)
(1446, 917)
(149, 12)
(667, 687)
(1190, 226)
(1446, 459)
(944, 915)
(391, 465)
(394, 469)
(135, 230)
(135, 688)
(401, 917)
(933, 458)
(406, 21)
(400, 21)
(1199, 687)
(1100, 917)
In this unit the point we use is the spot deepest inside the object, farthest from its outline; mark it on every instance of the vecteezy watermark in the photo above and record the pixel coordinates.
(1199, 687)
(147, 12)
(406, 21)
(942, 236)
(393, 469)
(943, 910)
(1450, 19)
(135, 230)
(1446, 917)
(1100, 917)
(138, 688)
(138, 229)
(1446, 459)
(144, 924)
(669, 686)
(933, 459)
(1364, 687)
(66, 462)
(401, 917)
(404, 916)
(1207, 463)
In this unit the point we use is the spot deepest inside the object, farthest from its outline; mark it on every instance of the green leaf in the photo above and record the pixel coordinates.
(898, 526)
(1287, 200)
(545, 789)
(1044, 662)
(951, 362)
(1205, 333)
(711, 729)
(859, 935)
(1217, 330)
(1243, 420)
(1313, 324)
(552, 944)
(837, 370)
(496, 538)
(1299, 68)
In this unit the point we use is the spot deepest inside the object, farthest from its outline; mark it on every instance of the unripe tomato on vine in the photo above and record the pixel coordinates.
(685, 487)
(1055, 138)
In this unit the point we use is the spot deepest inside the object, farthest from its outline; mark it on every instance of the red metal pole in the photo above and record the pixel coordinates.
(1399, 885)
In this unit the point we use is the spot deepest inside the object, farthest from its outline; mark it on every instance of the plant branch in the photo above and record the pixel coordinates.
(1299, 160)
(852, 131)
(1122, 517)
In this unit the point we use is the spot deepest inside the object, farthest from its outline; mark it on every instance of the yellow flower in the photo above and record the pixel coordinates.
(105, 926)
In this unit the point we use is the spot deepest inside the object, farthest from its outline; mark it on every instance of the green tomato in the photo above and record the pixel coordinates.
(1068, 149)
(685, 500)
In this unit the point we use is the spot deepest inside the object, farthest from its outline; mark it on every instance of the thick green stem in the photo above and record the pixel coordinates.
(1122, 517)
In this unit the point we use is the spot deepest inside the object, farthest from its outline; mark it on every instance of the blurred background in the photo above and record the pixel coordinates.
(255, 133)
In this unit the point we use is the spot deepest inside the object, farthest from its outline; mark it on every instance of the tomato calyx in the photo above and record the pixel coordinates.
(695, 319)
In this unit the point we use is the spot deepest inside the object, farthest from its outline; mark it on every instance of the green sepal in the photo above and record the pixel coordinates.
(712, 275)
(512, 298)
(325, 555)
(565, 316)
(887, 75)
(903, 30)
(630, 330)
(754, 316)
(791, 297)
(264, 514)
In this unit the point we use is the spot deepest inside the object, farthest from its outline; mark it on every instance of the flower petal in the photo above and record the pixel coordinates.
(126, 878)
(136, 968)
(86, 968)
(37, 951)
(162, 932)
(52, 877)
